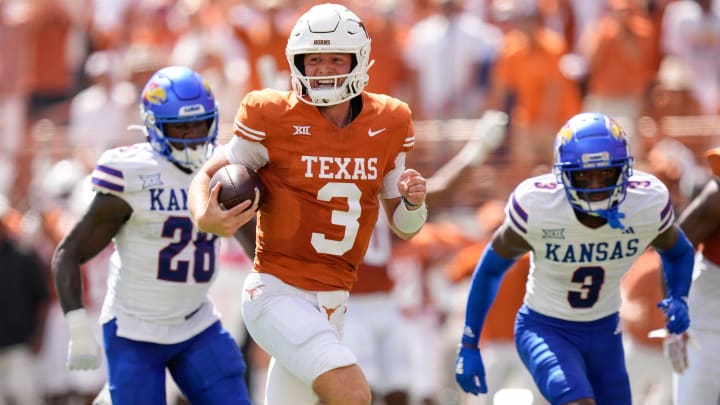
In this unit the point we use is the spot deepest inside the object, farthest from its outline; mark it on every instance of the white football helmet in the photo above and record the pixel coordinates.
(329, 28)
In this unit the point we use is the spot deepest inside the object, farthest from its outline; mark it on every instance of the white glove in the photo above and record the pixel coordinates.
(83, 350)
(675, 347)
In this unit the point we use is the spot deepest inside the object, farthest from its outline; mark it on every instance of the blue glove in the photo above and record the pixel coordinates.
(676, 312)
(470, 372)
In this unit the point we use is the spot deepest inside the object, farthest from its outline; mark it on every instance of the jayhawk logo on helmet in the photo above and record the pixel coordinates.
(616, 131)
(564, 135)
(155, 94)
(207, 88)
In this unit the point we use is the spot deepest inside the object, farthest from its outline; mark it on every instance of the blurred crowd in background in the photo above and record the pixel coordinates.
(71, 72)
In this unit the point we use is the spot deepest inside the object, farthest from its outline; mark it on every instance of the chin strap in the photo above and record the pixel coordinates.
(613, 217)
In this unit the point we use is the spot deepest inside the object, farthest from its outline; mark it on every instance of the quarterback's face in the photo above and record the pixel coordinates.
(596, 179)
(327, 64)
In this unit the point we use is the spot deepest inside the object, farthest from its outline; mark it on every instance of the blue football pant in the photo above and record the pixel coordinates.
(208, 368)
(574, 360)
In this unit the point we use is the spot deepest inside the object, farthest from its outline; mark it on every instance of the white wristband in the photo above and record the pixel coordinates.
(78, 323)
(409, 221)
(83, 350)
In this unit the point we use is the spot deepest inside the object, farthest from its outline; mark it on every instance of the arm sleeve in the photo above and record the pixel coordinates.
(677, 265)
(483, 288)
(242, 151)
(390, 180)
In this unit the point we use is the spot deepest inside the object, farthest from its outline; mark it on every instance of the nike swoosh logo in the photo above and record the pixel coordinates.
(373, 133)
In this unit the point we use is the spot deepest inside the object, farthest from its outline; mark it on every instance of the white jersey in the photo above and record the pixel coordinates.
(575, 270)
(163, 266)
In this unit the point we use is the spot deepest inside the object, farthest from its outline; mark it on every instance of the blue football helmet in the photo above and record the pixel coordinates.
(174, 95)
(593, 141)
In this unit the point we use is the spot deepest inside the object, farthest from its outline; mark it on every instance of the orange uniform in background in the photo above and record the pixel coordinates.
(641, 288)
(622, 50)
(713, 159)
(503, 366)
(265, 37)
(711, 246)
(648, 369)
(500, 321)
(372, 279)
(543, 94)
(389, 71)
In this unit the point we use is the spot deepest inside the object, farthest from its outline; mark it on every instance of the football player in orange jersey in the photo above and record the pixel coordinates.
(327, 152)
(698, 384)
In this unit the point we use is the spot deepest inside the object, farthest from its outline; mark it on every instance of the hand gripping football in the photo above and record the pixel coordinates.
(239, 183)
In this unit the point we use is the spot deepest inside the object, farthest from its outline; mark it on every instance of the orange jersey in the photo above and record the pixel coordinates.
(373, 279)
(499, 324)
(711, 246)
(543, 84)
(322, 183)
(713, 159)
(373, 272)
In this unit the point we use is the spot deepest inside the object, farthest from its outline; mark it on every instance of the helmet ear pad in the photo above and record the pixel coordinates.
(300, 63)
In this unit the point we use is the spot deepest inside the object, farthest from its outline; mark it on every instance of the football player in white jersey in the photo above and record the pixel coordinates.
(584, 225)
(156, 314)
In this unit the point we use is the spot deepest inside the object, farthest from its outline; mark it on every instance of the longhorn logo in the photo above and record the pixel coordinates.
(251, 291)
(330, 311)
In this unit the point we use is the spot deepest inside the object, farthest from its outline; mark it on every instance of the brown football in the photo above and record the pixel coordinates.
(239, 183)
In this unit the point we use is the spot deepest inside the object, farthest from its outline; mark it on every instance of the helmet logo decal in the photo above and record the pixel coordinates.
(599, 158)
(617, 133)
(189, 110)
(154, 94)
(565, 135)
(207, 88)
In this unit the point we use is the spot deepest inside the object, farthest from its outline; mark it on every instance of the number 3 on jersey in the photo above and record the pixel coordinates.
(347, 219)
(591, 280)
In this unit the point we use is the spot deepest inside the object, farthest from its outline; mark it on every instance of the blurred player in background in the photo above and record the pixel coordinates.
(584, 225)
(24, 298)
(699, 384)
(157, 313)
(503, 366)
(421, 291)
(59, 199)
(649, 370)
(326, 152)
(373, 329)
